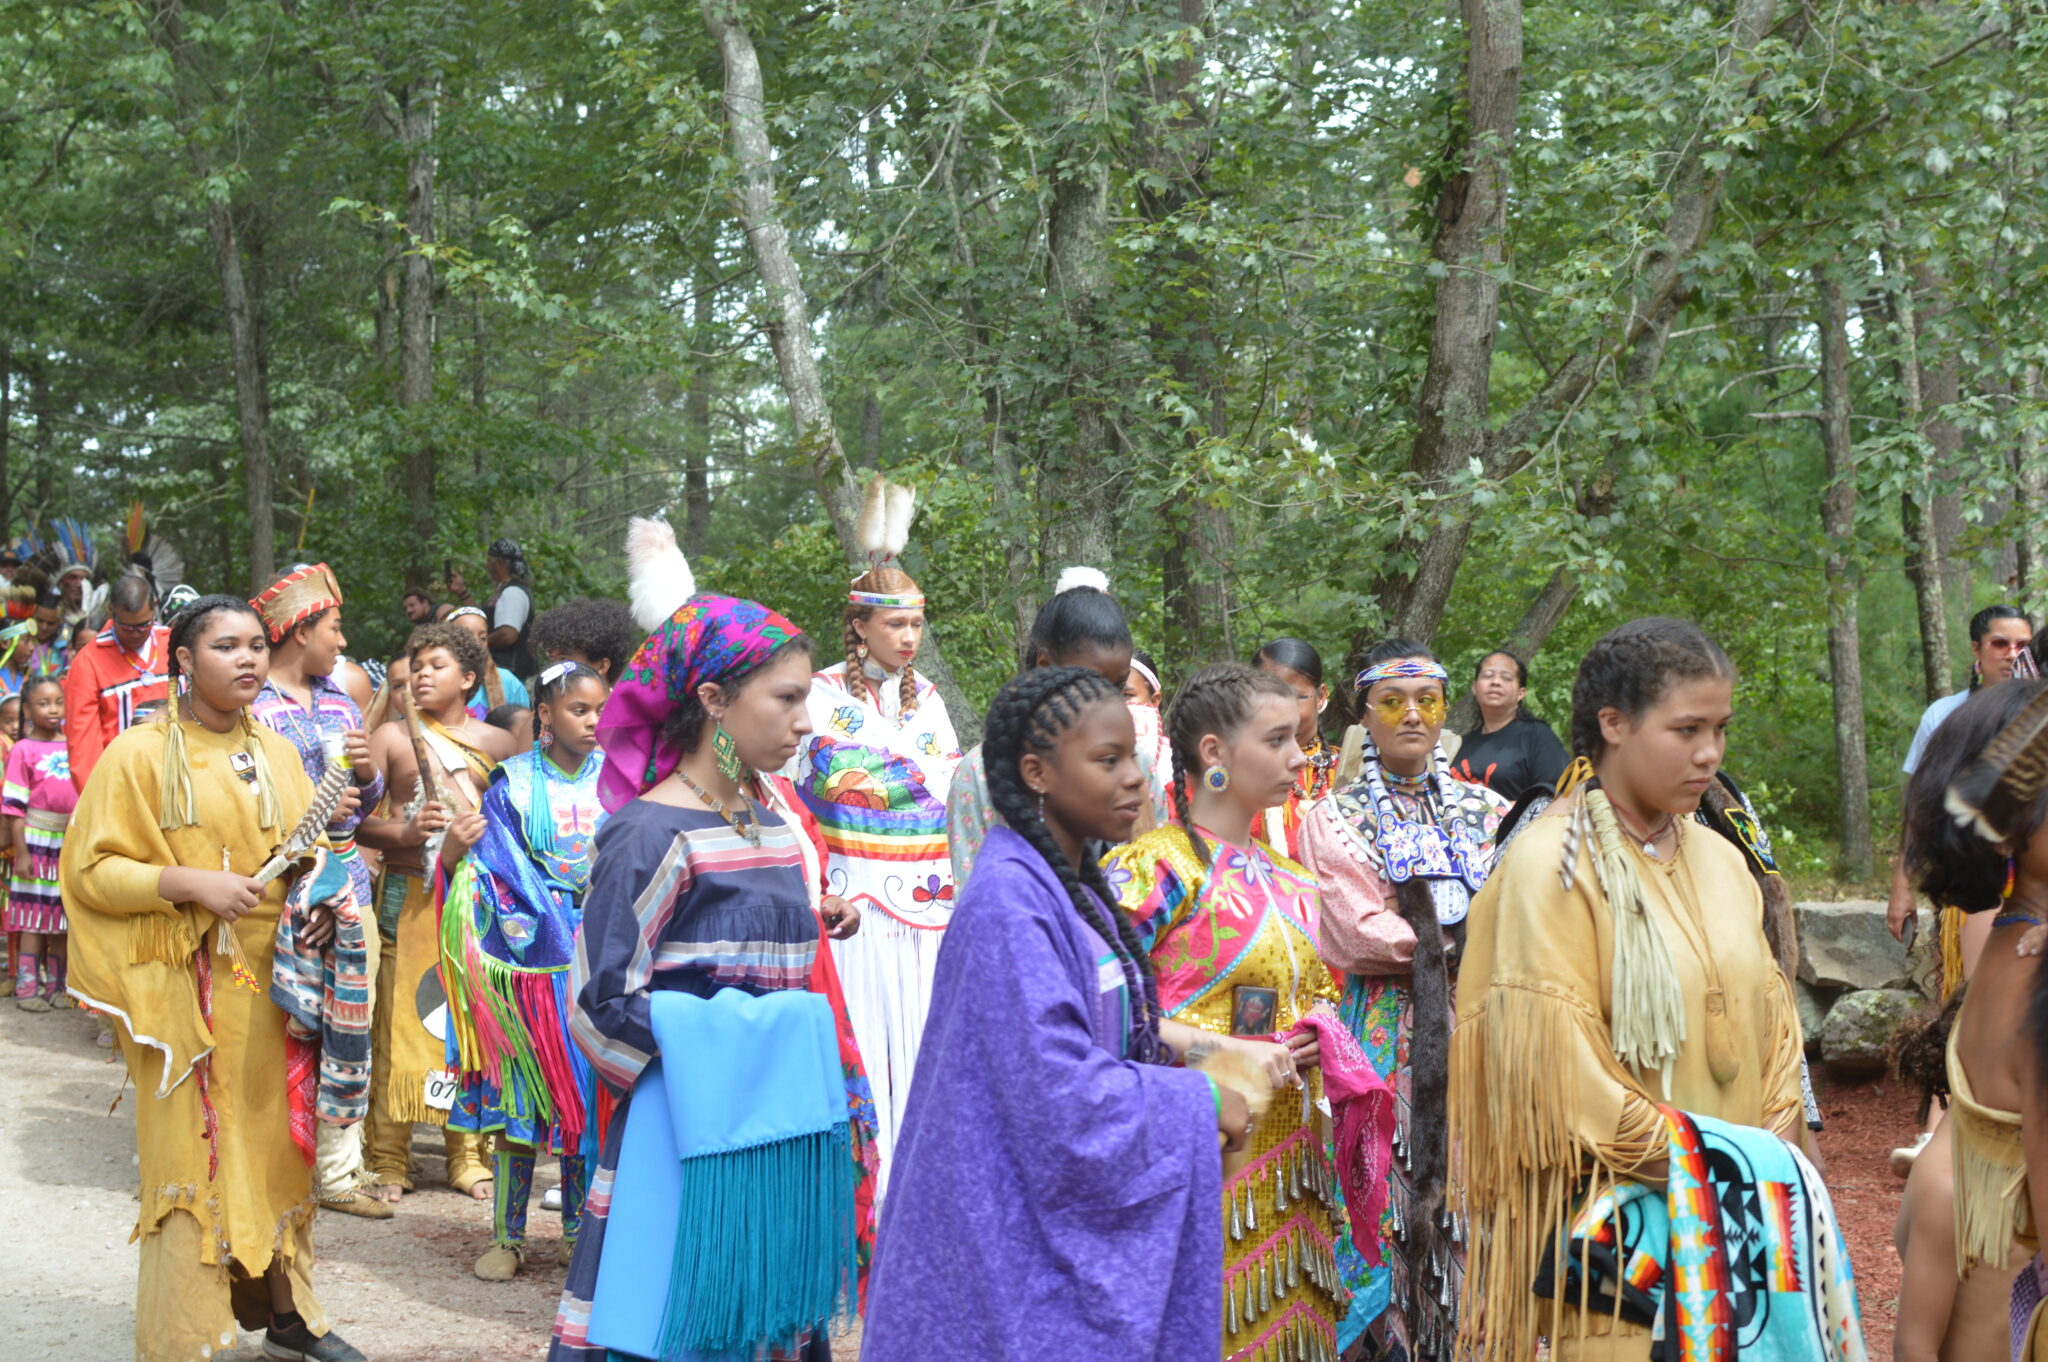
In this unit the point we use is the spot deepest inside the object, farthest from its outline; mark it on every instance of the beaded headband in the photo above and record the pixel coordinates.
(1401, 669)
(882, 600)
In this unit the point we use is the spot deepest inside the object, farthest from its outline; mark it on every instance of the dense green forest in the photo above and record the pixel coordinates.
(1474, 323)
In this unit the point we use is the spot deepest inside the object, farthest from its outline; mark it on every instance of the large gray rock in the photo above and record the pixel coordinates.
(1847, 945)
(1860, 1025)
(1814, 1005)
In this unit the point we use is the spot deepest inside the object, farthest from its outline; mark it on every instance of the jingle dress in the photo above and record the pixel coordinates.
(40, 792)
(505, 966)
(876, 777)
(1247, 921)
(1368, 942)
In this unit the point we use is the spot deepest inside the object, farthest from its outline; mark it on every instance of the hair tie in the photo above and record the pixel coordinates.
(555, 672)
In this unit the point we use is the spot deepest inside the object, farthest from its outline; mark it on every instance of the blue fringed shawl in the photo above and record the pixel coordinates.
(732, 1220)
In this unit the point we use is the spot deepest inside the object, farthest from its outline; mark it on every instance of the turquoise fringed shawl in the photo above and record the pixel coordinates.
(732, 1220)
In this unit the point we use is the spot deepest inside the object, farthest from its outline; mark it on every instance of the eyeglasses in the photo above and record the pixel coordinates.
(1999, 643)
(1393, 708)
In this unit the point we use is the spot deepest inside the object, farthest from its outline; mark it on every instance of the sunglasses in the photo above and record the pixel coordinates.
(1392, 709)
(1998, 643)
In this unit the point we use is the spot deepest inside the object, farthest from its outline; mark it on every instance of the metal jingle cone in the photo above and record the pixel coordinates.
(1230, 1300)
(1293, 1262)
(1251, 1211)
(1236, 1222)
(1265, 1288)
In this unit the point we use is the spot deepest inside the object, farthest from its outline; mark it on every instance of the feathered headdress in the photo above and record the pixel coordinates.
(881, 532)
(660, 576)
(1994, 793)
(150, 556)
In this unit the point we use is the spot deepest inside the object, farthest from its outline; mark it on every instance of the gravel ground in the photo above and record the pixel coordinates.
(402, 1290)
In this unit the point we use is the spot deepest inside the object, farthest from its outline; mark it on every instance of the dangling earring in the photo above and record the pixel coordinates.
(1041, 809)
(1217, 779)
(860, 650)
(1976, 674)
(547, 736)
(2011, 875)
(726, 752)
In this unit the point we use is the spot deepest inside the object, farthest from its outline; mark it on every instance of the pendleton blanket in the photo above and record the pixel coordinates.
(1740, 1256)
(324, 992)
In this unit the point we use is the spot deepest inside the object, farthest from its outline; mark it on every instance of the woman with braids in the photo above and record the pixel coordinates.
(1051, 1150)
(1399, 852)
(508, 930)
(723, 1224)
(1624, 1076)
(1080, 625)
(875, 771)
(172, 936)
(1993, 1165)
(1230, 928)
(1300, 666)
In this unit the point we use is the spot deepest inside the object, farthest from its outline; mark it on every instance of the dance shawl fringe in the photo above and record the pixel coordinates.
(162, 938)
(1515, 1066)
(511, 1024)
(764, 1245)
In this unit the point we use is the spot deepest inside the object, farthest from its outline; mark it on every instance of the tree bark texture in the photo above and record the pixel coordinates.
(697, 425)
(416, 115)
(787, 321)
(1923, 545)
(2031, 486)
(1844, 582)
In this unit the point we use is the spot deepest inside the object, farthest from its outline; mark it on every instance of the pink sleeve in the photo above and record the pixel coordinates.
(1363, 931)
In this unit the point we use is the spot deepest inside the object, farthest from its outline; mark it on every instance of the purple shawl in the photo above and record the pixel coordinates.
(1050, 1199)
(709, 638)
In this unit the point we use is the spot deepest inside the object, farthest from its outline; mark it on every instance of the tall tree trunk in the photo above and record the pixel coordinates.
(1844, 581)
(1451, 429)
(1195, 565)
(788, 320)
(1923, 544)
(6, 438)
(697, 424)
(416, 114)
(252, 403)
(1471, 215)
(2031, 489)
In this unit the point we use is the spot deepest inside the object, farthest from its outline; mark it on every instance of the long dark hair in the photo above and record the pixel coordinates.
(1028, 715)
(1952, 864)
(1217, 699)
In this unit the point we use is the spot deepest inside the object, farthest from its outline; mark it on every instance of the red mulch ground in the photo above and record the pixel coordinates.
(1865, 1122)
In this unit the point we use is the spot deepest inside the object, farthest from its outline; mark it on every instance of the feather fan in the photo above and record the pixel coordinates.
(1232, 1069)
(1074, 578)
(660, 575)
(1994, 793)
(311, 827)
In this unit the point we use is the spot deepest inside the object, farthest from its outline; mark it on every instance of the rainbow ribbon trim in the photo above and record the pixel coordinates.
(883, 600)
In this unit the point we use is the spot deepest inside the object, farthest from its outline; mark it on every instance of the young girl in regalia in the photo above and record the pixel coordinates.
(875, 773)
(508, 934)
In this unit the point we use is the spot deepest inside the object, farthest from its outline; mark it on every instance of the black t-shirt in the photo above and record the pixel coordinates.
(1511, 759)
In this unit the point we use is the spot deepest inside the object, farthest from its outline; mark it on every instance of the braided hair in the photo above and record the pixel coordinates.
(1028, 715)
(1632, 666)
(887, 579)
(175, 806)
(1217, 699)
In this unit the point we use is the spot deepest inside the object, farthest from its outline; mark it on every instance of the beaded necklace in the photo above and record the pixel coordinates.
(1443, 850)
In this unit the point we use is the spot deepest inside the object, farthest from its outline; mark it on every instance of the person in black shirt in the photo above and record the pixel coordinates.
(1510, 749)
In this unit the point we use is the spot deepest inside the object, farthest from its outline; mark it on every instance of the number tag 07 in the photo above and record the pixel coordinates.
(440, 1090)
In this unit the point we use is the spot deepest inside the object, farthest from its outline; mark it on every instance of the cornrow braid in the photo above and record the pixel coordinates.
(1029, 714)
(1217, 699)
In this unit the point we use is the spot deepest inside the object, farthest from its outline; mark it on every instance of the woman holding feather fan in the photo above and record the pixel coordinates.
(875, 771)
(172, 933)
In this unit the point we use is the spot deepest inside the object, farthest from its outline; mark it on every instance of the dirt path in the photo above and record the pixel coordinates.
(401, 1290)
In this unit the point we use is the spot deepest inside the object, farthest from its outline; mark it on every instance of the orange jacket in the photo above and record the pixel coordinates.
(102, 690)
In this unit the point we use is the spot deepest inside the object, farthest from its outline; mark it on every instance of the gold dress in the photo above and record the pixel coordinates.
(226, 1194)
(1540, 1105)
(1234, 949)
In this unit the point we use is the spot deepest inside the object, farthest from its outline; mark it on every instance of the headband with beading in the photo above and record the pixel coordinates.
(1401, 669)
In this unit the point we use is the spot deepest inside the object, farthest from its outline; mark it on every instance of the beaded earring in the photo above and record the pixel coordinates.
(726, 752)
(1217, 779)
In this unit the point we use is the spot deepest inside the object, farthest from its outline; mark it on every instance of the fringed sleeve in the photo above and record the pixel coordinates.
(1784, 1098)
(1361, 930)
(1539, 1104)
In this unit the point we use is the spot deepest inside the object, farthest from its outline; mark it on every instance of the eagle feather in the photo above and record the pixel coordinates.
(1995, 792)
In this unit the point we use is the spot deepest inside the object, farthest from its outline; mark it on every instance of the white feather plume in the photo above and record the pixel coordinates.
(1077, 577)
(660, 575)
(871, 531)
(902, 510)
